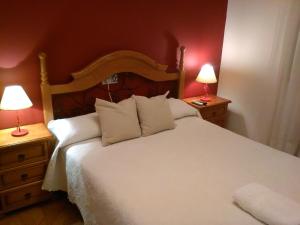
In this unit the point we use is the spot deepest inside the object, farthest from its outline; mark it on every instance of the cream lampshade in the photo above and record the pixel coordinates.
(15, 98)
(207, 76)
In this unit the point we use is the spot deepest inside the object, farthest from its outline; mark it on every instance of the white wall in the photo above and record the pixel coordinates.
(251, 62)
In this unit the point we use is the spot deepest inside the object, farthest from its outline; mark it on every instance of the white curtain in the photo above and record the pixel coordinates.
(260, 71)
(285, 132)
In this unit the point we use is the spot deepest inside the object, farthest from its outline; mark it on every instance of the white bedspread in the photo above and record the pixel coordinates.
(185, 176)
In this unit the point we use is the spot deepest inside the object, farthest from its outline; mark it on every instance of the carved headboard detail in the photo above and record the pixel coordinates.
(119, 62)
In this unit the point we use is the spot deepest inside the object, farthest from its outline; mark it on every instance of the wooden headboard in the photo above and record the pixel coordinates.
(114, 63)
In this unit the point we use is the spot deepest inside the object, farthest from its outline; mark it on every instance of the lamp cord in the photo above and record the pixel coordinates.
(109, 94)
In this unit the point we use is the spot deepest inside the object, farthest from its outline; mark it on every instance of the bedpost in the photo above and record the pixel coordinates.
(45, 89)
(1, 88)
(181, 73)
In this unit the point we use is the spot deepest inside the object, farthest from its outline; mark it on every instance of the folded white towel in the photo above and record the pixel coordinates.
(267, 205)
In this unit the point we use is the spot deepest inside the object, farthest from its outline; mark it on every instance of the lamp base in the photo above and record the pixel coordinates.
(205, 98)
(19, 132)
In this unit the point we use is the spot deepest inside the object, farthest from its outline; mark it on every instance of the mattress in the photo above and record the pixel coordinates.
(184, 176)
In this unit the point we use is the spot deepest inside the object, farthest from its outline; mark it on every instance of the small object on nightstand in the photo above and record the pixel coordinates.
(199, 102)
(214, 111)
(23, 165)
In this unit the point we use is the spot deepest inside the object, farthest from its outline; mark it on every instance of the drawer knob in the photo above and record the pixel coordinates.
(27, 196)
(21, 157)
(24, 177)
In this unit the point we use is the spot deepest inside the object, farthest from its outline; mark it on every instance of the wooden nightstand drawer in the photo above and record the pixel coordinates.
(213, 112)
(23, 154)
(25, 195)
(22, 176)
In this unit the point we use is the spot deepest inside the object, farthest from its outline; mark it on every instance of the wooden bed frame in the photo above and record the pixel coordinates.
(102, 68)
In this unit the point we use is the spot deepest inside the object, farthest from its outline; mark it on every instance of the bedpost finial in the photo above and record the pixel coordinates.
(44, 76)
(181, 59)
(42, 55)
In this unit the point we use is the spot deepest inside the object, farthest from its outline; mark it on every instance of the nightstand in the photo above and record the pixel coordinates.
(23, 163)
(215, 111)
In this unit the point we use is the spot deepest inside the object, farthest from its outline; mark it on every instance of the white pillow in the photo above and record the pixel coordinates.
(75, 129)
(154, 114)
(181, 109)
(119, 122)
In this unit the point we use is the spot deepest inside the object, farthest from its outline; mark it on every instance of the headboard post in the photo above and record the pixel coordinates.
(45, 89)
(181, 72)
(1, 88)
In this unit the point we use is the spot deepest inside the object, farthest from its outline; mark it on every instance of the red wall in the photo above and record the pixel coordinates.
(75, 32)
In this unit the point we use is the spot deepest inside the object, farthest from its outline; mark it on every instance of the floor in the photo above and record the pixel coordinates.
(57, 211)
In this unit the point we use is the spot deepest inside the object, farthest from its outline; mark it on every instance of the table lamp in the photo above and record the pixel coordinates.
(206, 76)
(15, 98)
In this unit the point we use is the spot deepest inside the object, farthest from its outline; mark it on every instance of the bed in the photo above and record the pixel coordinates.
(183, 176)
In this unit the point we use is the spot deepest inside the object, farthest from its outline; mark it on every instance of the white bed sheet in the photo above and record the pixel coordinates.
(185, 176)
